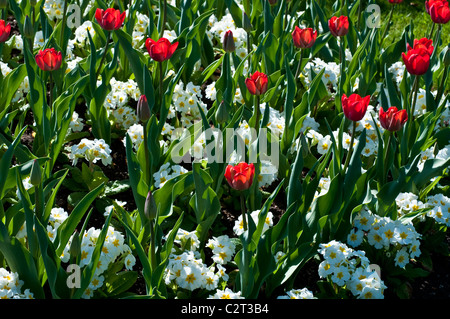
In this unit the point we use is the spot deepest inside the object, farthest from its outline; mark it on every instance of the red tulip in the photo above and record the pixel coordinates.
(5, 30)
(438, 10)
(160, 50)
(304, 38)
(240, 176)
(49, 59)
(393, 119)
(110, 19)
(395, 1)
(257, 83)
(424, 43)
(417, 61)
(355, 106)
(338, 26)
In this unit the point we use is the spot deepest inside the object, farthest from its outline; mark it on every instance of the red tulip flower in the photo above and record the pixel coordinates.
(395, 1)
(424, 43)
(160, 50)
(355, 106)
(240, 176)
(5, 30)
(438, 10)
(49, 59)
(338, 26)
(110, 19)
(257, 83)
(417, 61)
(393, 119)
(304, 38)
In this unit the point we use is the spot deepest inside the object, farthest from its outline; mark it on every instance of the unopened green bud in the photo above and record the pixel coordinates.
(35, 176)
(3, 4)
(222, 113)
(246, 24)
(33, 3)
(75, 246)
(28, 30)
(150, 209)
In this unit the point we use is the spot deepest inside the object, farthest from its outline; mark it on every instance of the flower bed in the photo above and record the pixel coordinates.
(246, 150)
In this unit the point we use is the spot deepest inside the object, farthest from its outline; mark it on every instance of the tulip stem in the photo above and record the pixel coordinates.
(258, 114)
(161, 81)
(244, 213)
(432, 30)
(350, 151)
(152, 245)
(297, 73)
(386, 168)
(108, 37)
(146, 153)
(50, 98)
(414, 97)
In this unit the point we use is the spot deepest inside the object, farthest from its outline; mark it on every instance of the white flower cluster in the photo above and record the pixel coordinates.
(136, 133)
(114, 247)
(116, 102)
(76, 123)
(433, 153)
(330, 76)
(186, 102)
(407, 203)
(11, 286)
(166, 172)
(217, 29)
(394, 236)
(440, 208)
(350, 268)
(187, 270)
(222, 248)
(81, 38)
(92, 151)
(54, 9)
(304, 293)
(239, 223)
(397, 70)
(226, 293)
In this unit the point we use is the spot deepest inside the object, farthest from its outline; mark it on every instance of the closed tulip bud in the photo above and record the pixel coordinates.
(28, 30)
(35, 176)
(150, 209)
(222, 113)
(143, 110)
(33, 3)
(272, 2)
(228, 42)
(246, 23)
(75, 246)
